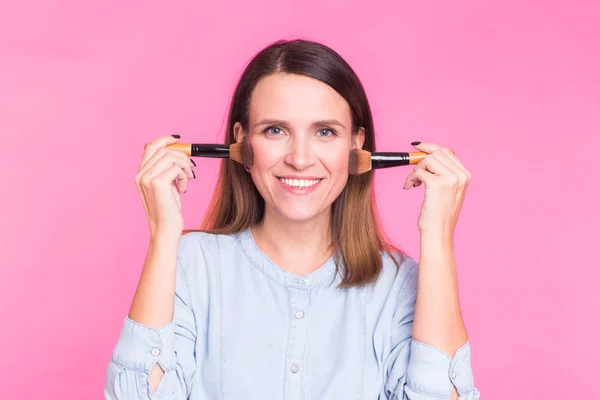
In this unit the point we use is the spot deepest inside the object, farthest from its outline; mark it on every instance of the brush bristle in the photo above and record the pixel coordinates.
(360, 162)
(241, 153)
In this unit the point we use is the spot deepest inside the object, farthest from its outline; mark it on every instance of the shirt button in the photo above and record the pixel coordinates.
(155, 351)
(299, 315)
(294, 368)
(307, 282)
(453, 375)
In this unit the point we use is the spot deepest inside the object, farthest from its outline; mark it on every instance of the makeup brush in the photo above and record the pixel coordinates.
(362, 161)
(239, 152)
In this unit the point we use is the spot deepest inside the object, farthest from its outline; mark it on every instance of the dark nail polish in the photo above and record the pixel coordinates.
(415, 143)
(193, 162)
(176, 136)
(194, 174)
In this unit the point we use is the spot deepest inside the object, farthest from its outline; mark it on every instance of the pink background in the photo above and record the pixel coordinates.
(512, 86)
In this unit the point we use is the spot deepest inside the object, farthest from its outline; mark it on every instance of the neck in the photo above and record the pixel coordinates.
(299, 247)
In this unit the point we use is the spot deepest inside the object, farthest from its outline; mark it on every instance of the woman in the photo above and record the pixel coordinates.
(290, 291)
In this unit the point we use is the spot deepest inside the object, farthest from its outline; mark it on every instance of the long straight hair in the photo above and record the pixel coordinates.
(357, 238)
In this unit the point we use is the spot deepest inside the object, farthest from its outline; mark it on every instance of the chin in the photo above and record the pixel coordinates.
(299, 214)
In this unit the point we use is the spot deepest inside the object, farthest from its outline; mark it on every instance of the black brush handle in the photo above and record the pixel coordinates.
(386, 160)
(210, 150)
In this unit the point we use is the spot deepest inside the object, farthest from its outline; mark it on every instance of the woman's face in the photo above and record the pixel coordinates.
(300, 132)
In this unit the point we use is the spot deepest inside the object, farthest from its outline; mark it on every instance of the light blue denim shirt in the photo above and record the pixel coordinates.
(244, 328)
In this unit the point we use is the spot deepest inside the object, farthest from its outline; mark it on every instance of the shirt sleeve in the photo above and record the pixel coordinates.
(140, 347)
(415, 370)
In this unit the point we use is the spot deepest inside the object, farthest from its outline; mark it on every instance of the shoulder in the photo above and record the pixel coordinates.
(399, 265)
(394, 292)
(199, 250)
(196, 245)
(399, 274)
(199, 257)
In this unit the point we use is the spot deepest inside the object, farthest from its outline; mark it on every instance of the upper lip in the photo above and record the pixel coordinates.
(308, 178)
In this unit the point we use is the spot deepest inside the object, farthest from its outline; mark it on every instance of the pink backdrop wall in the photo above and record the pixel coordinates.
(513, 86)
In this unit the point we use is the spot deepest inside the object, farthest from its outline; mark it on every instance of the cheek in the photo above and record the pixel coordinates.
(261, 159)
(337, 161)
(267, 155)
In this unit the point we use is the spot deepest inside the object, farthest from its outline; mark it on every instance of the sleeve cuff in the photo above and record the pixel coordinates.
(140, 347)
(431, 370)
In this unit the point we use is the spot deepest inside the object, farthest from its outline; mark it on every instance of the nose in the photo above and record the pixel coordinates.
(300, 155)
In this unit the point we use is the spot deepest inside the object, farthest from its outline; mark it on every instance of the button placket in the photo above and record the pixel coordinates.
(296, 343)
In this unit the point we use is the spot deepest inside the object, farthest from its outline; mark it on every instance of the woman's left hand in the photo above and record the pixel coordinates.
(446, 181)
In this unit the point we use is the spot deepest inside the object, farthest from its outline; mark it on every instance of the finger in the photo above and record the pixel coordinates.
(184, 161)
(431, 164)
(167, 162)
(149, 152)
(426, 147)
(176, 177)
(418, 176)
(452, 167)
(421, 166)
(429, 147)
(434, 165)
(462, 175)
(181, 184)
(418, 166)
(450, 154)
(151, 147)
(162, 177)
(168, 159)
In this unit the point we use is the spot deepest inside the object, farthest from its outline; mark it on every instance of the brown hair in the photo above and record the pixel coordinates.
(357, 238)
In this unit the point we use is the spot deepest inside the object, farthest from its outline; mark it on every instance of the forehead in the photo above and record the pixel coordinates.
(296, 98)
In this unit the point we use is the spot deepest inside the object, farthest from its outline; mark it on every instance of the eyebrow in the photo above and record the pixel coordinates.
(315, 124)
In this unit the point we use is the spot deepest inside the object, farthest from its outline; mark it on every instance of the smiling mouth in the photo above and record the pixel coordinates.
(299, 183)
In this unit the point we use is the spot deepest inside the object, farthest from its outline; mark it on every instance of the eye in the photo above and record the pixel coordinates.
(326, 132)
(273, 130)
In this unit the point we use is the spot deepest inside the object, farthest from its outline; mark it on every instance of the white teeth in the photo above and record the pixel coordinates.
(299, 182)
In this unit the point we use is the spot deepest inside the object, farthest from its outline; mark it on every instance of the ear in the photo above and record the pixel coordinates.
(238, 132)
(358, 139)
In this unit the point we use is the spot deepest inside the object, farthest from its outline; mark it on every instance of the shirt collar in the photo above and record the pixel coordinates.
(324, 274)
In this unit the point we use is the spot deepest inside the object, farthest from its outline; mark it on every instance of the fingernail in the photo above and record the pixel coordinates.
(415, 143)
(194, 174)
(176, 136)
(193, 162)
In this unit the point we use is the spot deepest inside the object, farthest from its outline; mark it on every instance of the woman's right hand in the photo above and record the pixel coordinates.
(162, 176)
